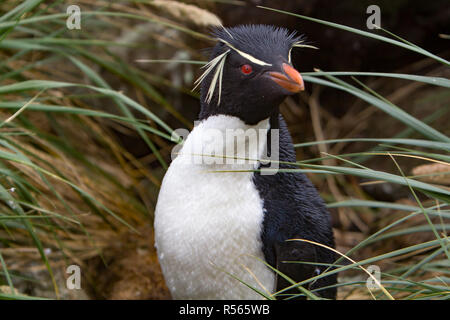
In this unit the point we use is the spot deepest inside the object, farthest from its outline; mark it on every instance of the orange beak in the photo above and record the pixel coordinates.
(293, 82)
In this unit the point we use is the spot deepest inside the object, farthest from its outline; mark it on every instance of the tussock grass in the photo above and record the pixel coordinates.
(69, 183)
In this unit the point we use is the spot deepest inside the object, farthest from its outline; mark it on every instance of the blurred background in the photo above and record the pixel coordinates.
(86, 117)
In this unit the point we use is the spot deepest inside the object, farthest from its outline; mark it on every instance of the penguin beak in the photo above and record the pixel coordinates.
(291, 80)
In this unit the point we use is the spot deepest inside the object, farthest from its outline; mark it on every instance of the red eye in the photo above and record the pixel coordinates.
(246, 69)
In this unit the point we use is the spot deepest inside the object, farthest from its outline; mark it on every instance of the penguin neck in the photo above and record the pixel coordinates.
(208, 110)
(227, 142)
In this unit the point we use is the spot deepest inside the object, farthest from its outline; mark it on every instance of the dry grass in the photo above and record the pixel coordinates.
(90, 192)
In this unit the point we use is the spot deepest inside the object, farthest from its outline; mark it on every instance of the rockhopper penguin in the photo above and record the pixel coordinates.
(220, 221)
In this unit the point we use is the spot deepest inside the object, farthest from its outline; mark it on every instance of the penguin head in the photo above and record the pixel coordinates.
(249, 72)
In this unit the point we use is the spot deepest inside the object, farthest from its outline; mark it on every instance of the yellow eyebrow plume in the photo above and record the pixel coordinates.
(246, 55)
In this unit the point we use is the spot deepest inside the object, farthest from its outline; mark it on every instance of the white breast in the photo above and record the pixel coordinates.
(208, 224)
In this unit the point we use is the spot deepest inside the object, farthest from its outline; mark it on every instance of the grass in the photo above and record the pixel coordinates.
(70, 102)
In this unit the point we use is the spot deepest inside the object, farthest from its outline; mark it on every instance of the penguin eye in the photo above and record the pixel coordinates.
(246, 69)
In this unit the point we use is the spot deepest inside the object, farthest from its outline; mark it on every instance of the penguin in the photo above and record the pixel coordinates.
(221, 225)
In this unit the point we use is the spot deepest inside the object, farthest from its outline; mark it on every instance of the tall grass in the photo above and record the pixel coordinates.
(69, 184)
